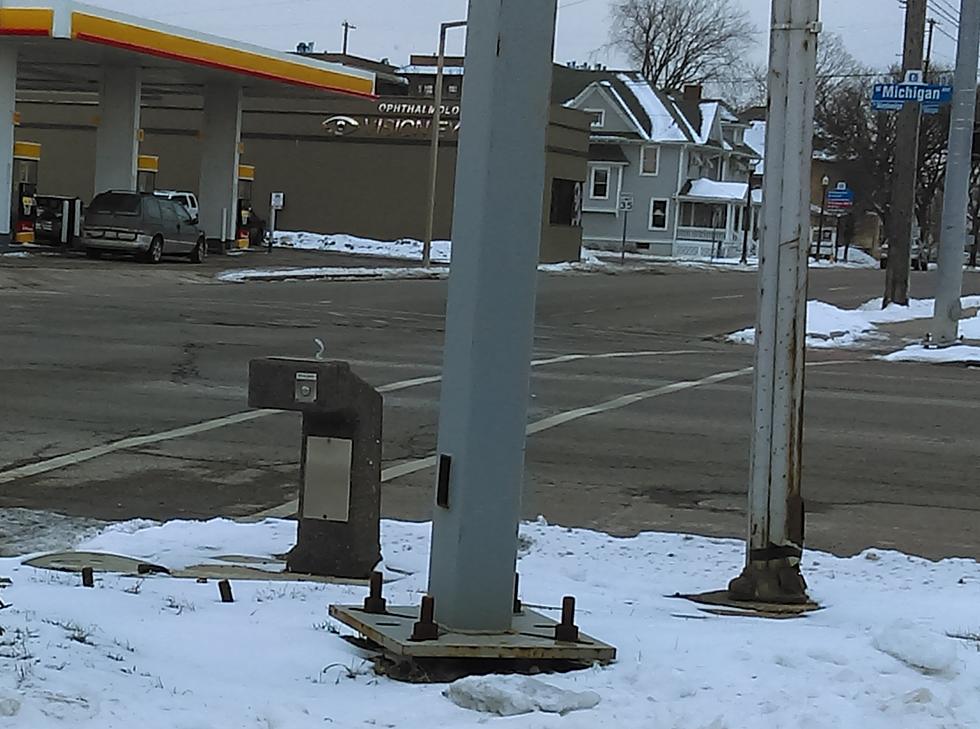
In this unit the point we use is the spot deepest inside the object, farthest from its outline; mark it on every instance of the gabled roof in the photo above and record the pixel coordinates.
(656, 115)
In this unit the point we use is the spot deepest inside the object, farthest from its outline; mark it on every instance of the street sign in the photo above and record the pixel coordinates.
(626, 202)
(893, 97)
(840, 200)
(278, 200)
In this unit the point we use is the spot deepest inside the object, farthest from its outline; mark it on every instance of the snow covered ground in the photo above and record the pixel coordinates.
(409, 249)
(830, 326)
(405, 249)
(856, 259)
(399, 250)
(340, 273)
(166, 654)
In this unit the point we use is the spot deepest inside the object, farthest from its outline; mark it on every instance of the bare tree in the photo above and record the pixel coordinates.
(863, 140)
(679, 42)
(836, 69)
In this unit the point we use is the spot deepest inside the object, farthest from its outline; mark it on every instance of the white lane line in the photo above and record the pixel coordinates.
(70, 459)
(839, 288)
(404, 469)
(88, 454)
(728, 298)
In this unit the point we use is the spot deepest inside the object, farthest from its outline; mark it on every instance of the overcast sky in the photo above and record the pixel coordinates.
(872, 29)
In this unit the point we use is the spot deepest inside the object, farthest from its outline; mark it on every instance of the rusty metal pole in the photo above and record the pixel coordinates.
(775, 541)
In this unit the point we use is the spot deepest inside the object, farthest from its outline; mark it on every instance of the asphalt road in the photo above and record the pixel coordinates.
(95, 352)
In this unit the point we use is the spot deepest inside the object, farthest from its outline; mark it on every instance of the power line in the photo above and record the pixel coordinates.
(944, 14)
(952, 9)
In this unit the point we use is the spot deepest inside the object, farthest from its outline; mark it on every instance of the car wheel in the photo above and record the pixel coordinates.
(884, 263)
(200, 252)
(92, 253)
(154, 254)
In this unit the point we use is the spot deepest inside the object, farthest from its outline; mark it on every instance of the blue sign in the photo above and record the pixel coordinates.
(840, 196)
(893, 97)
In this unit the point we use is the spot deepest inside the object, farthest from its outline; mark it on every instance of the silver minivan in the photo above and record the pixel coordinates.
(143, 224)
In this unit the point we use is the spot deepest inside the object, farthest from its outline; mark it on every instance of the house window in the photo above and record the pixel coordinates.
(566, 202)
(598, 117)
(453, 89)
(428, 89)
(650, 160)
(658, 214)
(600, 183)
(703, 215)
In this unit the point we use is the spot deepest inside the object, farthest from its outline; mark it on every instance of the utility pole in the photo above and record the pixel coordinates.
(747, 222)
(348, 27)
(497, 222)
(436, 133)
(906, 171)
(956, 200)
(775, 536)
(928, 63)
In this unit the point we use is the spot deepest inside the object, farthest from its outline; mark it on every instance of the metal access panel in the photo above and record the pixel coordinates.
(327, 479)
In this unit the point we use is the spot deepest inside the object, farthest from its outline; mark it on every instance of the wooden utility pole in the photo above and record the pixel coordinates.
(906, 171)
(775, 534)
(348, 27)
(928, 64)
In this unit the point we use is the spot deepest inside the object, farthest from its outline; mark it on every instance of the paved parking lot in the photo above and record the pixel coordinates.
(95, 353)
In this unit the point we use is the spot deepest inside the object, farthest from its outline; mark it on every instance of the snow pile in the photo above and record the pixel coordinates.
(829, 326)
(160, 653)
(590, 263)
(514, 695)
(957, 354)
(404, 249)
(339, 273)
(917, 647)
(970, 328)
(856, 258)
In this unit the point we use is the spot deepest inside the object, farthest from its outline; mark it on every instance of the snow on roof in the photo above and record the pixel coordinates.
(608, 86)
(709, 113)
(431, 70)
(663, 126)
(755, 138)
(704, 189)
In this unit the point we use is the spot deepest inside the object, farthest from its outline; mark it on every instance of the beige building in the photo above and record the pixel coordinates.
(347, 165)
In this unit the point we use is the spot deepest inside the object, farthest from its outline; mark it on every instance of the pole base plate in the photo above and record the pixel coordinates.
(530, 642)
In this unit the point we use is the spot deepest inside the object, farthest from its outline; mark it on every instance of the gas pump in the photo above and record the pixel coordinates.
(27, 157)
(147, 166)
(246, 178)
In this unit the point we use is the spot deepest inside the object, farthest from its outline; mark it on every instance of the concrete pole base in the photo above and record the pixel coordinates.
(778, 582)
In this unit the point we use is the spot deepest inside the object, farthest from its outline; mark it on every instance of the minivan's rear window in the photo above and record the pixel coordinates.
(122, 203)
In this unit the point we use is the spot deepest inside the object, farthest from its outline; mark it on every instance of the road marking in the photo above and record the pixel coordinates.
(404, 469)
(70, 459)
(728, 298)
(88, 454)
(839, 288)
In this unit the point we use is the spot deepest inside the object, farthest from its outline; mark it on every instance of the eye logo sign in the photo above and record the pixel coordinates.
(341, 126)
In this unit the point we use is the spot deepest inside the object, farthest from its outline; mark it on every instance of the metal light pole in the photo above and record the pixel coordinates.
(946, 318)
(825, 184)
(436, 131)
(497, 225)
(747, 224)
(775, 541)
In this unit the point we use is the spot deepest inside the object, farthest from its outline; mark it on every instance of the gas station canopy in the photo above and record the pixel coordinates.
(65, 45)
